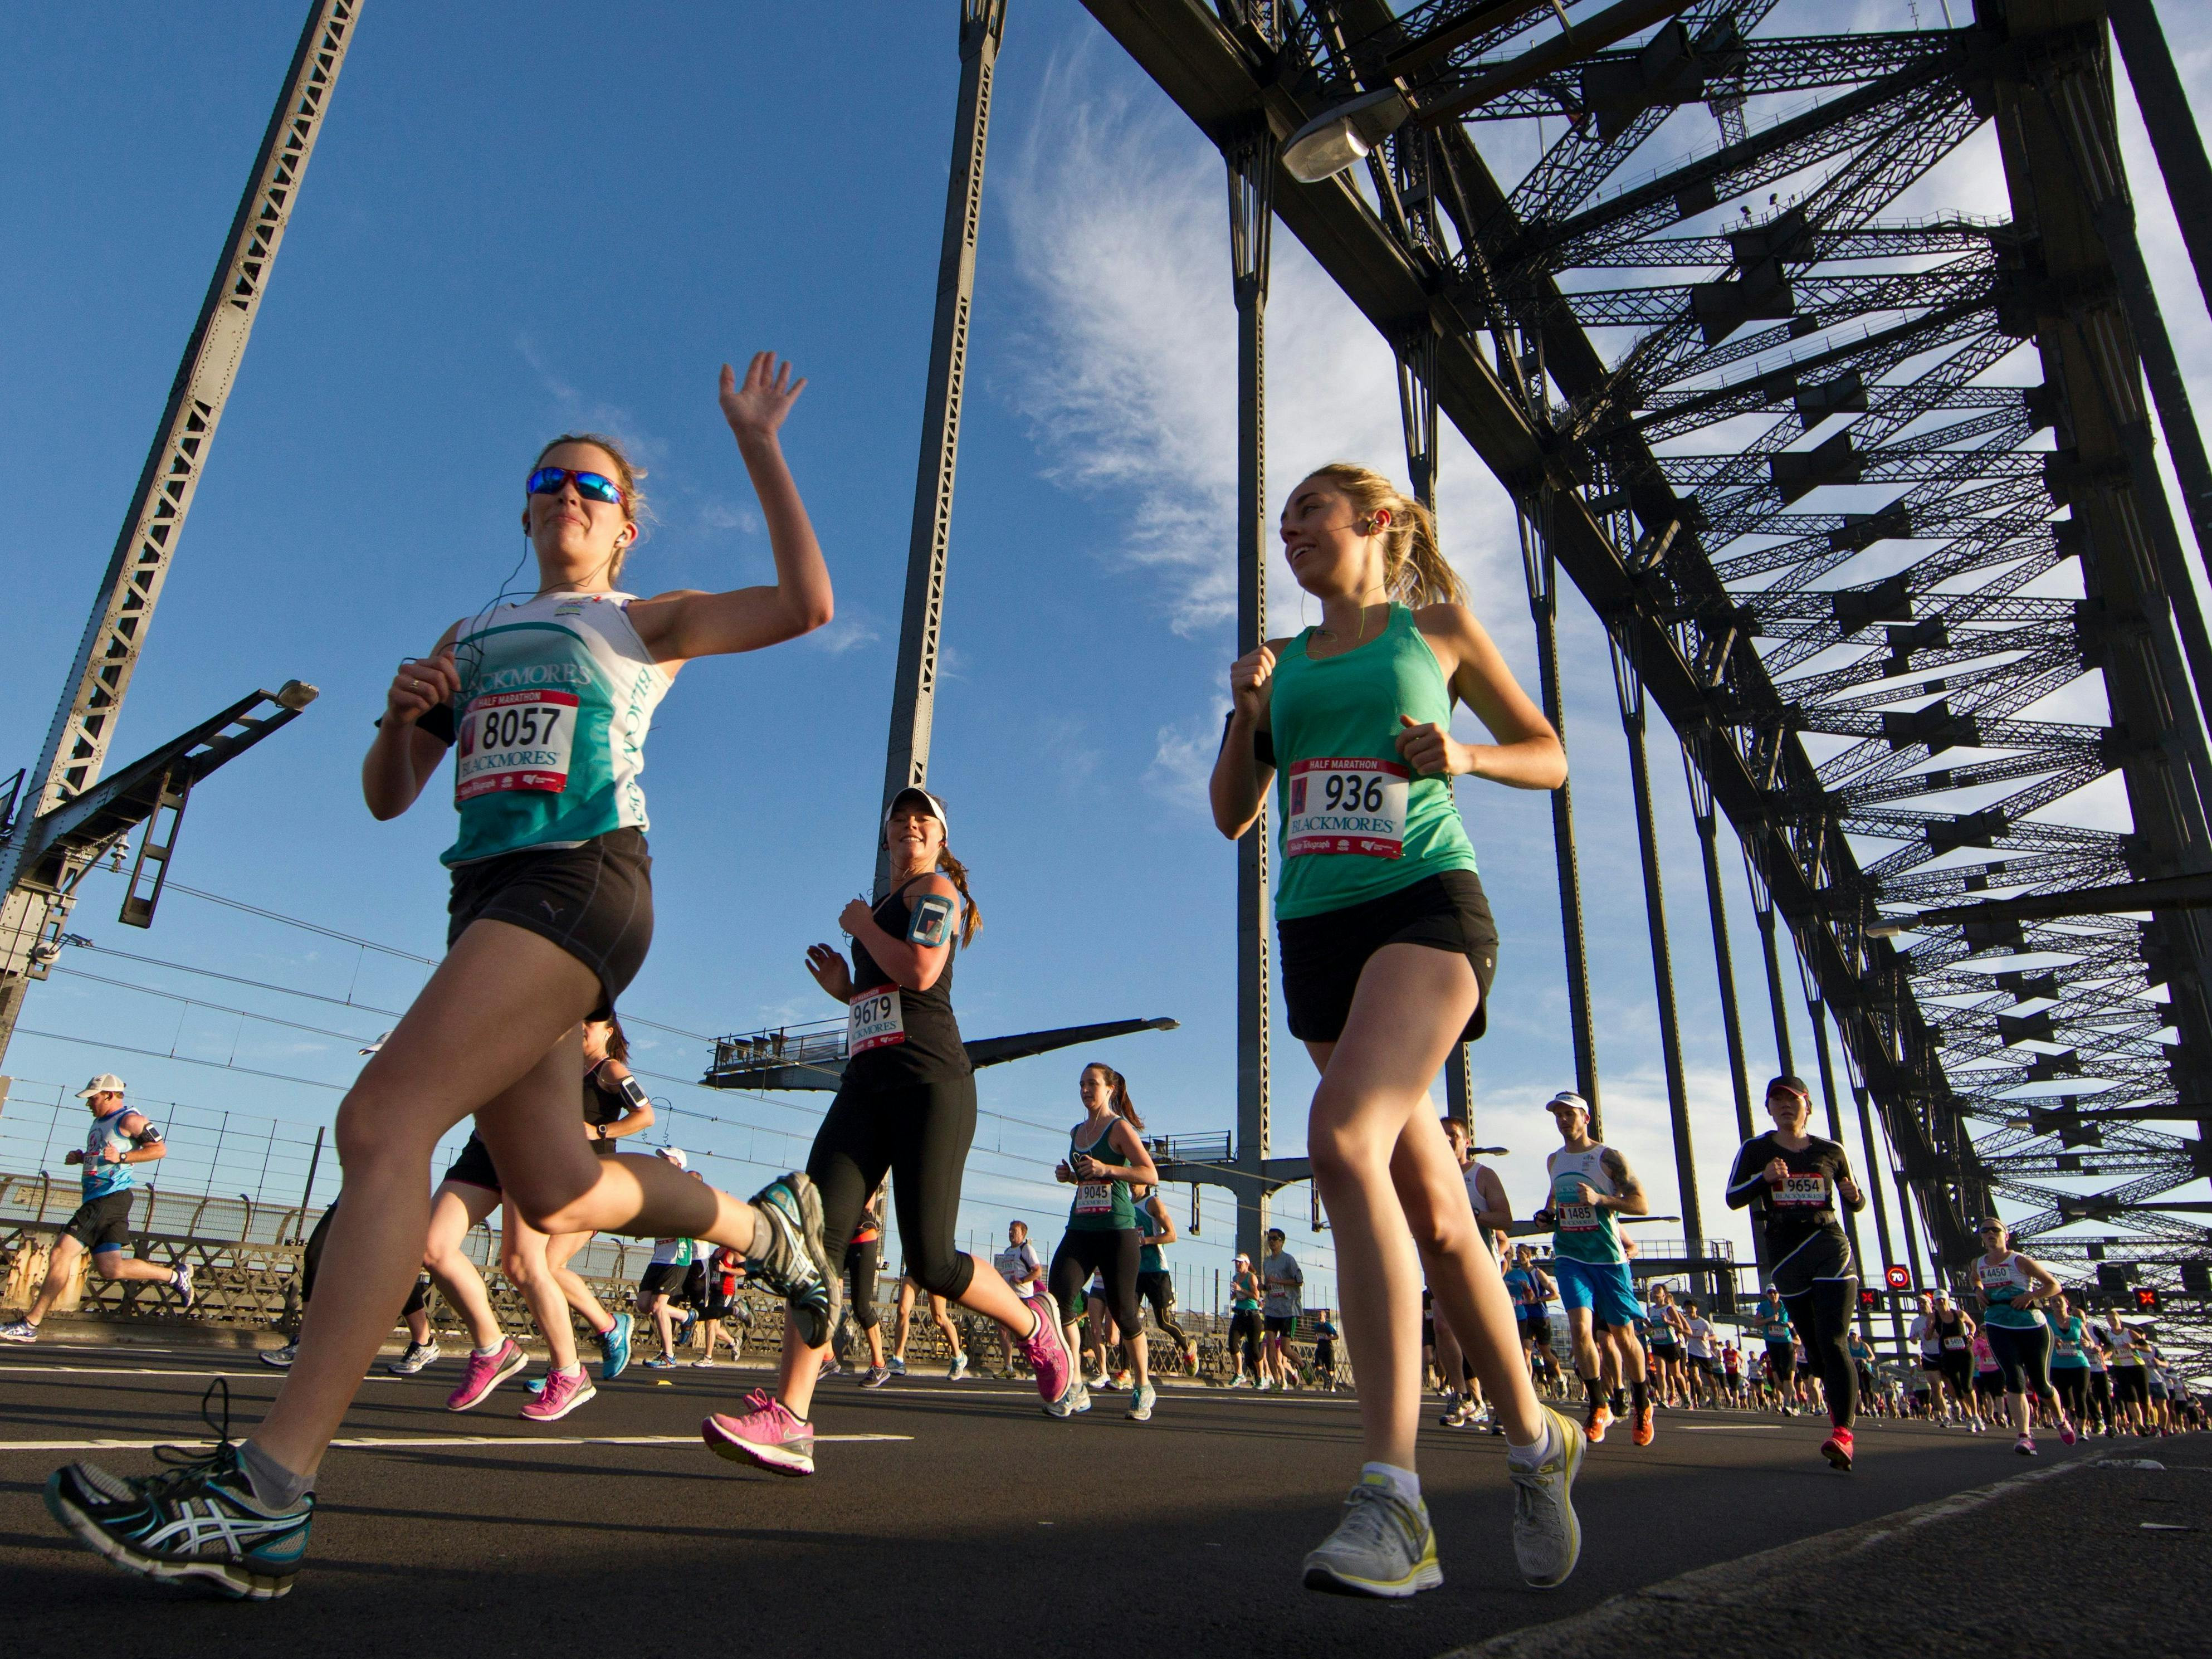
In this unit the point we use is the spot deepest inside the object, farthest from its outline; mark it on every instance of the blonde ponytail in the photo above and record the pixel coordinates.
(1414, 569)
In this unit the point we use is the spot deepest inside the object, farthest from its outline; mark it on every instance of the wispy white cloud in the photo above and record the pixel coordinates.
(1126, 367)
(579, 410)
(1183, 759)
(851, 629)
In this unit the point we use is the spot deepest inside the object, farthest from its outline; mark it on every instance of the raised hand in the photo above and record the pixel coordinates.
(421, 684)
(754, 408)
(1429, 750)
(1248, 678)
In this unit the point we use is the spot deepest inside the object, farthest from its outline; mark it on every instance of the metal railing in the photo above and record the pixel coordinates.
(818, 1044)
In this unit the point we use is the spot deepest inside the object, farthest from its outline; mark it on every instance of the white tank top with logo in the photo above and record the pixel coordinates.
(558, 694)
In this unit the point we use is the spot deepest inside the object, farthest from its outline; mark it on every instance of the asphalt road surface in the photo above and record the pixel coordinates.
(957, 1519)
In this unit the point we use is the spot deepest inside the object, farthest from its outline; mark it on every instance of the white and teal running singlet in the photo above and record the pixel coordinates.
(558, 694)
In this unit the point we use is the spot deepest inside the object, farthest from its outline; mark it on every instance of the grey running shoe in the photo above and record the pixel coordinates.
(1547, 1539)
(958, 1370)
(21, 1331)
(181, 1282)
(282, 1357)
(1382, 1546)
(1140, 1408)
(876, 1376)
(418, 1355)
(795, 1267)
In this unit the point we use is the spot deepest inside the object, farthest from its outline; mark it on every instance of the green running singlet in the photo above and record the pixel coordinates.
(1102, 1205)
(1353, 823)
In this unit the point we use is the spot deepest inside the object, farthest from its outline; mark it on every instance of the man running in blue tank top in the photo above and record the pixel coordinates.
(120, 1139)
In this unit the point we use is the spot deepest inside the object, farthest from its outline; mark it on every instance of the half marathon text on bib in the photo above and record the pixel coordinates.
(1805, 1189)
(1346, 805)
(874, 1019)
(515, 740)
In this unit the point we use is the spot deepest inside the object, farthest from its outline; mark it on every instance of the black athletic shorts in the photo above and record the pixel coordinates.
(1283, 1328)
(1322, 956)
(102, 1223)
(474, 1167)
(662, 1279)
(594, 901)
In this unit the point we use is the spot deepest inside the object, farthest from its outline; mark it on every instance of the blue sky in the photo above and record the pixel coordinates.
(504, 234)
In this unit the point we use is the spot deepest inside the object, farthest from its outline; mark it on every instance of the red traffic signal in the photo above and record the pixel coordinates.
(2146, 1298)
(1868, 1299)
(1897, 1277)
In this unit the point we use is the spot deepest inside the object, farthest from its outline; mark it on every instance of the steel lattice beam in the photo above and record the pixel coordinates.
(1815, 495)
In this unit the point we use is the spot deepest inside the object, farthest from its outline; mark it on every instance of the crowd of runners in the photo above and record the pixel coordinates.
(543, 701)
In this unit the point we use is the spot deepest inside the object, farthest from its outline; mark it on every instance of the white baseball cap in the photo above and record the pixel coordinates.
(1571, 1100)
(908, 795)
(106, 1083)
(674, 1154)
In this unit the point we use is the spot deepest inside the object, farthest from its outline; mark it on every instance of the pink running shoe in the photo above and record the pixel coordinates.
(563, 1392)
(765, 1433)
(486, 1372)
(2066, 1435)
(1059, 1379)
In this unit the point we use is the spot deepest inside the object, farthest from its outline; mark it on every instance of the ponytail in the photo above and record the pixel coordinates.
(1414, 569)
(971, 918)
(1123, 1106)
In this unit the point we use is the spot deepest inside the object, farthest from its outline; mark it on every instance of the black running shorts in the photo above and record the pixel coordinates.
(662, 1279)
(102, 1223)
(474, 1167)
(594, 901)
(1322, 956)
(1280, 1327)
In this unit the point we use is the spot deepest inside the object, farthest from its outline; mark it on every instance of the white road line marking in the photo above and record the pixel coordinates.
(403, 1442)
(1725, 1428)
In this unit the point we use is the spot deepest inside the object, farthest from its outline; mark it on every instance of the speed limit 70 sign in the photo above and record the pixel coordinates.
(1898, 1278)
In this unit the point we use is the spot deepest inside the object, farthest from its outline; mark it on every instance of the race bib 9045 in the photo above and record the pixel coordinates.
(514, 740)
(1094, 1198)
(1346, 805)
(874, 1019)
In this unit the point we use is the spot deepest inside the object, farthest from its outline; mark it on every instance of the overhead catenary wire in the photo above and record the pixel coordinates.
(261, 912)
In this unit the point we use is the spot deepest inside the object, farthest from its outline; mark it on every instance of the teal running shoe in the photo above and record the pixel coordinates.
(614, 1348)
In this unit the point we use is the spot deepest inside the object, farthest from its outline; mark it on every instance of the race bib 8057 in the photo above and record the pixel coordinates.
(515, 740)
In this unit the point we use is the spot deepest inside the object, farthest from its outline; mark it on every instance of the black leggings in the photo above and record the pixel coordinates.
(1822, 1314)
(1158, 1289)
(2072, 1383)
(2100, 1396)
(920, 1133)
(1113, 1251)
(863, 1262)
(1244, 1328)
(2024, 1357)
(311, 1263)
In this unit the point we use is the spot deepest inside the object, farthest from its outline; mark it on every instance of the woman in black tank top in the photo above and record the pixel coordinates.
(905, 1106)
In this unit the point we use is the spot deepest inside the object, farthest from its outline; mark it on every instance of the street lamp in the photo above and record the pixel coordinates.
(1347, 133)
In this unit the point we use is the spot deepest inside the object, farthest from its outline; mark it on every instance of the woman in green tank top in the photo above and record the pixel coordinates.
(1106, 1154)
(1387, 953)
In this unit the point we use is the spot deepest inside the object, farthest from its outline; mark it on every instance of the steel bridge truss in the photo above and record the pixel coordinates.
(1871, 488)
